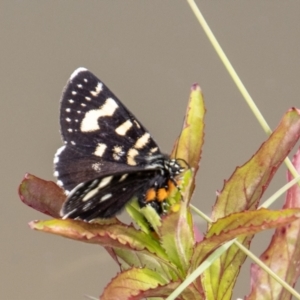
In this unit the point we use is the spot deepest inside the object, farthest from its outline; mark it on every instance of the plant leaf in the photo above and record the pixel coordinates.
(44, 196)
(135, 212)
(245, 187)
(237, 224)
(176, 232)
(137, 284)
(189, 144)
(243, 191)
(128, 259)
(109, 235)
(283, 253)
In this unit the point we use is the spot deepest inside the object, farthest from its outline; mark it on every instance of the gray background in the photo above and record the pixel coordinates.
(149, 53)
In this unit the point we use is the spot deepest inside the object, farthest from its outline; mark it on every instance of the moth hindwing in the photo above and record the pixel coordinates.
(108, 156)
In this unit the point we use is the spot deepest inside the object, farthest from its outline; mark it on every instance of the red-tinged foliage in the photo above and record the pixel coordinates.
(115, 234)
(243, 191)
(44, 196)
(238, 224)
(283, 254)
(142, 283)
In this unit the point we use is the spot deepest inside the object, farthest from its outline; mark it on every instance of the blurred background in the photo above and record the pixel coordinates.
(149, 53)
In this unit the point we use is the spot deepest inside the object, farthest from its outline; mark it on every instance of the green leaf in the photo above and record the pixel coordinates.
(130, 284)
(128, 259)
(109, 235)
(176, 232)
(143, 283)
(252, 221)
(189, 144)
(120, 240)
(152, 218)
(240, 224)
(134, 211)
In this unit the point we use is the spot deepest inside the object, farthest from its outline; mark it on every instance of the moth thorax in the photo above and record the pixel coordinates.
(173, 167)
(156, 162)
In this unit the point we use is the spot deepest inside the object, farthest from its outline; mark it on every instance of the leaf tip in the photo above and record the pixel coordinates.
(195, 87)
(32, 224)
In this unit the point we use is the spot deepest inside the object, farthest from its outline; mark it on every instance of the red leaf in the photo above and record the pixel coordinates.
(44, 196)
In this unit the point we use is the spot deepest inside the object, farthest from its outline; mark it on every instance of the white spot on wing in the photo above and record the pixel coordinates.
(123, 177)
(97, 90)
(100, 149)
(68, 109)
(153, 150)
(131, 154)
(66, 215)
(137, 124)
(90, 120)
(118, 152)
(71, 100)
(88, 98)
(58, 152)
(56, 174)
(96, 167)
(142, 141)
(74, 92)
(123, 128)
(68, 119)
(105, 181)
(105, 197)
(86, 206)
(76, 72)
(90, 194)
(59, 183)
